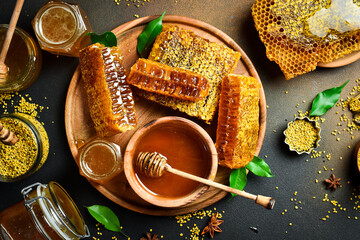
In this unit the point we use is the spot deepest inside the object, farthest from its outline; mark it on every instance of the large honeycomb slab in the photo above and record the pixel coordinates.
(299, 34)
(180, 48)
(238, 121)
(163, 79)
(110, 99)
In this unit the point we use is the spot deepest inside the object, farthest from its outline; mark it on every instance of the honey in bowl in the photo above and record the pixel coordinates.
(186, 146)
(183, 151)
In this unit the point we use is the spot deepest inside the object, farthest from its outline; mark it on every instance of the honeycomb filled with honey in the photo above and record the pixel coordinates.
(238, 121)
(110, 99)
(299, 34)
(181, 48)
(162, 79)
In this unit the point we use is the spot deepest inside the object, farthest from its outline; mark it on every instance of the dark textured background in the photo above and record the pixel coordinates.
(292, 172)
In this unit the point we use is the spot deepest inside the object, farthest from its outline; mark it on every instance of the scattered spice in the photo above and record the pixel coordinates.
(149, 237)
(332, 182)
(213, 225)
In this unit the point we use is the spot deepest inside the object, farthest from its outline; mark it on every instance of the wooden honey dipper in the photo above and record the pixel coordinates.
(7, 137)
(154, 164)
(4, 70)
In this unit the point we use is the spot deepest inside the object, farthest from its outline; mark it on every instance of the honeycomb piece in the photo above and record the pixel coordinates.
(180, 48)
(299, 34)
(174, 82)
(238, 121)
(109, 96)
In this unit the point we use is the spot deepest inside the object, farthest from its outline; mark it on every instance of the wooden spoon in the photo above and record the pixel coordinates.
(154, 164)
(7, 137)
(9, 34)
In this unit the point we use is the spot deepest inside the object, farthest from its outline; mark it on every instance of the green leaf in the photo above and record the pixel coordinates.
(238, 179)
(148, 36)
(107, 38)
(326, 100)
(259, 167)
(107, 217)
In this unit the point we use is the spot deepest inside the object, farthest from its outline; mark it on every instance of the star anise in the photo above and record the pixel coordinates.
(332, 182)
(213, 225)
(149, 237)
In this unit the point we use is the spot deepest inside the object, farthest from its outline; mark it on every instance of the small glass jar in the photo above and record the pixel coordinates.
(100, 161)
(60, 28)
(23, 60)
(30, 152)
(47, 212)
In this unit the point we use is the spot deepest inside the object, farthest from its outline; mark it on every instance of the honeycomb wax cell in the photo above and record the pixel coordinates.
(299, 34)
(174, 82)
(181, 48)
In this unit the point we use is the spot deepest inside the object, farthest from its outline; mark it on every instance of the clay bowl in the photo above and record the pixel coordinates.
(180, 125)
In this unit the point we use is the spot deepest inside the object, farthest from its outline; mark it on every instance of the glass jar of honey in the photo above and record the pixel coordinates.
(60, 28)
(29, 153)
(23, 60)
(100, 161)
(47, 212)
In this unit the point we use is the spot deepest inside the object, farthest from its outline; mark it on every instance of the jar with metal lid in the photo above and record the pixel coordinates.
(61, 28)
(47, 212)
(28, 154)
(23, 60)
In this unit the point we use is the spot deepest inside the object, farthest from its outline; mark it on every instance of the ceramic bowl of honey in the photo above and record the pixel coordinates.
(187, 147)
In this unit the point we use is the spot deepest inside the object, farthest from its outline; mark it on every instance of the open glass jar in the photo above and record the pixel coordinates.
(30, 152)
(23, 60)
(47, 212)
(60, 28)
(100, 161)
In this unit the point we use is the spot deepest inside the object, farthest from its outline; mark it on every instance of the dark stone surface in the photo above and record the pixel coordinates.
(292, 172)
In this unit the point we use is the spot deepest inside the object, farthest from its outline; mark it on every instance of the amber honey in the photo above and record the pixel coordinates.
(60, 28)
(100, 161)
(58, 25)
(184, 151)
(35, 218)
(23, 61)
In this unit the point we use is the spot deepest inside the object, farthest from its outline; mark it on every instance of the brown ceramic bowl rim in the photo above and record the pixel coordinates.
(129, 167)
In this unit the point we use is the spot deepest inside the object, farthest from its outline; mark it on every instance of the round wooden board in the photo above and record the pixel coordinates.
(79, 126)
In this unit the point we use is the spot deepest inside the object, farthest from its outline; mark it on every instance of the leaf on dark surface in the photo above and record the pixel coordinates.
(148, 36)
(326, 100)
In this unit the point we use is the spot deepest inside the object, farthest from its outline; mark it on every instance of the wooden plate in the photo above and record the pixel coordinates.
(79, 127)
(350, 58)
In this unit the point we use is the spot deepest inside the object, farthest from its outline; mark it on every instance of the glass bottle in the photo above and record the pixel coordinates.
(60, 28)
(47, 212)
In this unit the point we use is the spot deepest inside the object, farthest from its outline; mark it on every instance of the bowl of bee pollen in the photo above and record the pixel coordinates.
(29, 153)
(302, 135)
(187, 147)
